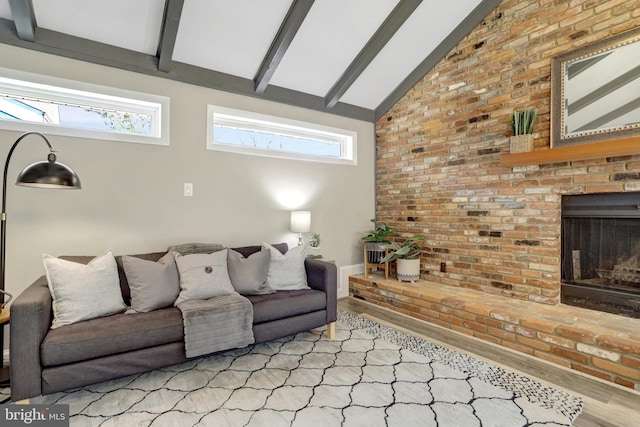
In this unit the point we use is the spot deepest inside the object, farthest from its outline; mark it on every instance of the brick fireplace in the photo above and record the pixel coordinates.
(498, 228)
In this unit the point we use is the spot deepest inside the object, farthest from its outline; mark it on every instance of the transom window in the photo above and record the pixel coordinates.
(259, 134)
(61, 107)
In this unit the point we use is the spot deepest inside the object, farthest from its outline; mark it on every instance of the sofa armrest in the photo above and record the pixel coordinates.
(323, 276)
(29, 324)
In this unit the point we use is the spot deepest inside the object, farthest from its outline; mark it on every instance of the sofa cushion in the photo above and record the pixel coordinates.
(203, 276)
(111, 335)
(75, 289)
(287, 271)
(284, 304)
(248, 275)
(153, 285)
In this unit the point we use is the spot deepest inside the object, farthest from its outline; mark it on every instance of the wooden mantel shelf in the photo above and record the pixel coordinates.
(595, 150)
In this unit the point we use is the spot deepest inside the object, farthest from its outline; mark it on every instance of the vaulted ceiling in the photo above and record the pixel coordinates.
(354, 58)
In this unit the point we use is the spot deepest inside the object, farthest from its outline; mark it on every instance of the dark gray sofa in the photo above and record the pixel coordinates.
(44, 360)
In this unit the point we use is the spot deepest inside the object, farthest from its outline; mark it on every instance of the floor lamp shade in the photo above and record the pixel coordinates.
(48, 174)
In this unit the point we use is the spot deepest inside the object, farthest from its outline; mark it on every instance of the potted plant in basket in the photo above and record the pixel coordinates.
(407, 257)
(522, 127)
(377, 242)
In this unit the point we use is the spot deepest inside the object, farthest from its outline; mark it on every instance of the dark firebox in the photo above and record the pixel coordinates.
(601, 252)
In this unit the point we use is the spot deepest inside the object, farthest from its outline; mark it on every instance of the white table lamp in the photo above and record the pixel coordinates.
(300, 223)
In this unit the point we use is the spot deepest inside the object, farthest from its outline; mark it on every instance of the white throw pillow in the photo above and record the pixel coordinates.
(203, 276)
(82, 292)
(286, 271)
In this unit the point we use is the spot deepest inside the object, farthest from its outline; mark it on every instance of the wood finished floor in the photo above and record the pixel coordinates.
(605, 404)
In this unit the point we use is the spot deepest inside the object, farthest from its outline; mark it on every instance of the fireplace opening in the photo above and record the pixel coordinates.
(600, 255)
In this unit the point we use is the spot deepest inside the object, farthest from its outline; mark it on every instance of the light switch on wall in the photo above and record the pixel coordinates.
(188, 189)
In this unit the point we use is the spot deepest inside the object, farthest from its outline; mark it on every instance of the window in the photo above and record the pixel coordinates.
(70, 108)
(251, 133)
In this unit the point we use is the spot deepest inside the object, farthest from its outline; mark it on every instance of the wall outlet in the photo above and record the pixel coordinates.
(443, 267)
(188, 189)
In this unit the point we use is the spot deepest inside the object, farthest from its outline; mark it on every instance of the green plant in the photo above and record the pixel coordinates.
(380, 233)
(409, 249)
(522, 121)
(314, 240)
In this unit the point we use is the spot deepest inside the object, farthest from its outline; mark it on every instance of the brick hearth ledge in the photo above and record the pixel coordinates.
(600, 344)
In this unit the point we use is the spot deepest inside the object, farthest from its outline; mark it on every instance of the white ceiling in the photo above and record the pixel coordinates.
(339, 51)
(228, 36)
(327, 42)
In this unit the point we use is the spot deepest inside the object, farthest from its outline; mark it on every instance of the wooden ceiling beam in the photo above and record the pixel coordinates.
(169, 32)
(288, 29)
(394, 21)
(24, 19)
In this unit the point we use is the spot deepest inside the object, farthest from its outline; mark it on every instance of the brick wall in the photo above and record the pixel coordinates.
(498, 228)
(438, 151)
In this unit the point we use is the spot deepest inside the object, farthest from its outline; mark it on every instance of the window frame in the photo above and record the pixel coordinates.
(57, 90)
(346, 138)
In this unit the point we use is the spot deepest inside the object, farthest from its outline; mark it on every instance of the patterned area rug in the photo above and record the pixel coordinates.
(370, 375)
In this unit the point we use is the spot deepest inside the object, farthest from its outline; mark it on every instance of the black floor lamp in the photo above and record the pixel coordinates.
(44, 174)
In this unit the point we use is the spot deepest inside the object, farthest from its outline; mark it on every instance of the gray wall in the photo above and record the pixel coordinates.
(132, 199)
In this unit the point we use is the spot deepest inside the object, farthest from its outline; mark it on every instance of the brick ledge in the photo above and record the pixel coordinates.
(603, 345)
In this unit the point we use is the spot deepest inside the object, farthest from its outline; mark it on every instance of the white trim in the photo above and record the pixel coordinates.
(78, 93)
(280, 126)
(343, 279)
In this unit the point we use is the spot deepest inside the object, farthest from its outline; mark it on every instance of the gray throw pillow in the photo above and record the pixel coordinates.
(286, 271)
(203, 276)
(153, 285)
(248, 275)
(82, 292)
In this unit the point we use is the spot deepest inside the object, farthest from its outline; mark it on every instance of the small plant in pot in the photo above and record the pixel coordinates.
(377, 242)
(314, 239)
(522, 121)
(313, 242)
(522, 127)
(407, 257)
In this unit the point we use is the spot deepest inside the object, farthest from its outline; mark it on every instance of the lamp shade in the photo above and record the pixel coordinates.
(300, 221)
(49, 174)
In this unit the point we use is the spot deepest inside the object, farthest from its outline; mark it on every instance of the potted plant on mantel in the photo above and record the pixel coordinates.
(522, 127)
(407, 257)
(377, 242)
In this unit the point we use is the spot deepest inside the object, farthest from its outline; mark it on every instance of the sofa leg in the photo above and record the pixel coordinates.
(22, 402)
(331, 330)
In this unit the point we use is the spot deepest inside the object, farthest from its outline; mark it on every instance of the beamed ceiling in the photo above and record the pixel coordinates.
(354, 58)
